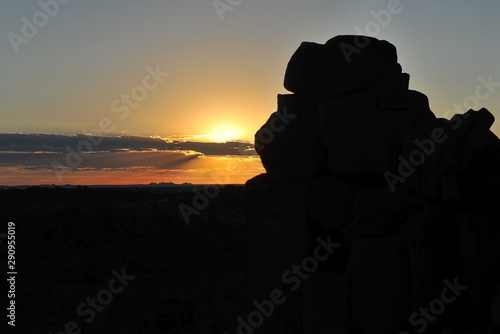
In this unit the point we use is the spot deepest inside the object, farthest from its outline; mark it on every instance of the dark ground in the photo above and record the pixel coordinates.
(68, 242)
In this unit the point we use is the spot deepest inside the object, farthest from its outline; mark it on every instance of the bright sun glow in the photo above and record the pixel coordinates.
(225, 133)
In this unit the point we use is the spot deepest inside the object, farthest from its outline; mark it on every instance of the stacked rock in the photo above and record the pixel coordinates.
(355, 157)
(349, 114)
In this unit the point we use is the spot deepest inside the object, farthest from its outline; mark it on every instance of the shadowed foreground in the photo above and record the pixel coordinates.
(69, 242)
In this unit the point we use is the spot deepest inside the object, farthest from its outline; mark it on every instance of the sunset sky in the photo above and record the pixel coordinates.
(200, 77)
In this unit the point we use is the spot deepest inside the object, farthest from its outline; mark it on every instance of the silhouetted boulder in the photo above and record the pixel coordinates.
(288, 143)
(355, 156)
(436, 155)
(348, 80)
(301, 73)
(330, 201)
(343, 65)
(368, 146)
(402, 252)
(418, 103)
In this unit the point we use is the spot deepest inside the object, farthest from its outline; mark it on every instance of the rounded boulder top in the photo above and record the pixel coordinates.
(344, 64)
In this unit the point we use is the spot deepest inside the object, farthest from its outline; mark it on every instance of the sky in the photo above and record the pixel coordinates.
(188, 72)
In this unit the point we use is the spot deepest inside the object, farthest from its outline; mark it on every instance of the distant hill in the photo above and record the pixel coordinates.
(71, 186)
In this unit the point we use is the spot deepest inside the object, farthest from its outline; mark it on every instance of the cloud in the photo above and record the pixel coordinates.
(52, 143)
(29, 159)
(99, 160)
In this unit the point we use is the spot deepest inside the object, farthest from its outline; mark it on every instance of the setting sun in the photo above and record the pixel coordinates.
(226, 132)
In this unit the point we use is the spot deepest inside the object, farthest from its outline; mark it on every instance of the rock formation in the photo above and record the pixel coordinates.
(356, 157)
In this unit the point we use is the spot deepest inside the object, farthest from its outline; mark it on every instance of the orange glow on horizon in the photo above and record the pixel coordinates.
(202, 170)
